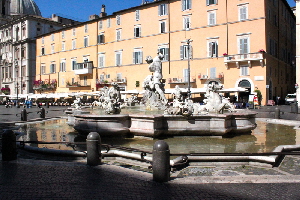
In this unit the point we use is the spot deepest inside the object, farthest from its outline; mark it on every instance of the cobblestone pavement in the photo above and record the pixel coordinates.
(40, 177)
(33, 179)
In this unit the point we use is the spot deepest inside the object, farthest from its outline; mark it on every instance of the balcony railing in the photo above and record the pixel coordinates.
(84, 68)
(77, 84)
(180, 80)
(45, 85)
(237, 58)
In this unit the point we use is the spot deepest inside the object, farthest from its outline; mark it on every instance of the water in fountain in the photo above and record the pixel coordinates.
(262, 139)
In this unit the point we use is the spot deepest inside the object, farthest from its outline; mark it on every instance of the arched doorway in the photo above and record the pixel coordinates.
(244, 96)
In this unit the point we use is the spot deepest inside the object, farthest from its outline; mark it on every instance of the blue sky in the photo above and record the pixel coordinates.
(81, 9)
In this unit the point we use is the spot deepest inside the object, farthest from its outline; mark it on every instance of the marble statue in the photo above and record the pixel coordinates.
(213, 103)
(154, 96)
(109, 99)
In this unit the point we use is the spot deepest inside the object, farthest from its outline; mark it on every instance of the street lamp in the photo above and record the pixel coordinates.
(17, 75)
(189, 70)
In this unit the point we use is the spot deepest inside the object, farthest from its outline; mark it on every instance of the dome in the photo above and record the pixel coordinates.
(24, 7)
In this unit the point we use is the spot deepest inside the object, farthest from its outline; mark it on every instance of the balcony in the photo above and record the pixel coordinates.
(77, 84)
(180, 80)
(206, 77)
(84, 68)
(121, 80)
(45, 85)
(250, 57)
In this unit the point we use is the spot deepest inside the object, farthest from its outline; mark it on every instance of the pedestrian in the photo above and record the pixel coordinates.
(277, 100)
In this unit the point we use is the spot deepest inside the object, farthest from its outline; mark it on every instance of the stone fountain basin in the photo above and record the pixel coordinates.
(166, 125)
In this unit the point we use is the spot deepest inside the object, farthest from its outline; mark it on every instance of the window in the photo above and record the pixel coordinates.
(184, 53)
(137, 31)
(163, 26)
(213, 73)
(212, 49)
(100, 25)
(63, 66)
(118, 34)
(108, 23)
(85, 28)
(243, 12)
(210, 2)
(74, 63)
(63, 34)
(43, 40)
(243, 46)
(101, 78)
(43, 69)
(211, 17)
(186, 4)
(244, 70)
(86, 41)
(165, 52)
(52, 68)
(137, 15)
(43, 51)
(100, 38)
(73, 44)
(52, 48)
(185, 75)
(52, 37)
(23, 51)
(272, 47)
(17, 33)
(186, 22)
(101, 59)
(63, 46)
(163, 9)
(74, 31)
(85, 80)
(137, 56)
(118, 18)
(118, 58)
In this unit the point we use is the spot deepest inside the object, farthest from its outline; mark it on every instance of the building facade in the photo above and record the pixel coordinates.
(22, 23)
(248, 44)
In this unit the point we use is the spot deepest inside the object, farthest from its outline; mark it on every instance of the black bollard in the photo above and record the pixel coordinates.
(93, 145)
(161, 162)
(277, 113)
(42, 113)
(47, 104)
(9, 147)
(24, 115)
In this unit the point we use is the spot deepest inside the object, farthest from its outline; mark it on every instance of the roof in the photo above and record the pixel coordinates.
(24, 7)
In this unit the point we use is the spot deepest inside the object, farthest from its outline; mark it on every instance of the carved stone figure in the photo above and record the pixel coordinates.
(214, 103)
(153, 84)
(109, 99)
(77, 103)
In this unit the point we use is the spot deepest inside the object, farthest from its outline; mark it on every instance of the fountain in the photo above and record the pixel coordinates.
(182, 118)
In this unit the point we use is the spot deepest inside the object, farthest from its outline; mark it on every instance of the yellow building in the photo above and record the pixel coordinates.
(248, 44)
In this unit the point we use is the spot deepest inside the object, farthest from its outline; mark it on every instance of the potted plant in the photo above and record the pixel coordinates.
(5, 90)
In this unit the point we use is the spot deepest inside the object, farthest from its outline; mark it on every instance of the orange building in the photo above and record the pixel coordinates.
(237, 43)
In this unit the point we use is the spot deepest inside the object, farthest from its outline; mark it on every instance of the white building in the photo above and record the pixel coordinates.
(20, 23)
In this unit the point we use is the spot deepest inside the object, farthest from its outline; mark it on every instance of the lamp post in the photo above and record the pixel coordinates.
(189, 70)
(17, 75)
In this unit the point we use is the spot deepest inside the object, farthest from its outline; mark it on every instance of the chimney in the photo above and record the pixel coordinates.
(103, 13)
(92, 17)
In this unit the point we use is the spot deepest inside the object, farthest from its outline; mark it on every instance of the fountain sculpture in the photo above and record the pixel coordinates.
(182, 118)
(109, 99)
(154, 97)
